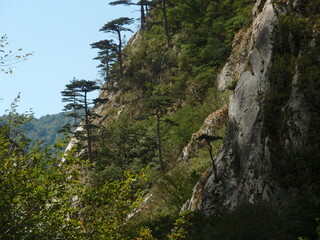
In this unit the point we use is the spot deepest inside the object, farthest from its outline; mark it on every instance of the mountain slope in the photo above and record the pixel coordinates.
(45, 129)
(247, 75)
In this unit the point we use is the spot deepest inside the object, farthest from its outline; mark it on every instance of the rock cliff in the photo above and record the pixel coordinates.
(246, 164)
(271, 143)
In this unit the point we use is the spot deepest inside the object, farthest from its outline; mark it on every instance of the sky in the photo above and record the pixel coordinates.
(59, 34)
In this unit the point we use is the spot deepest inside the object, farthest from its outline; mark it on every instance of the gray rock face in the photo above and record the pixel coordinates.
(245, 155)
(252, 150)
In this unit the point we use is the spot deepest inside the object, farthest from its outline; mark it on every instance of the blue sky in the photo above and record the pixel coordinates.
(59, 33)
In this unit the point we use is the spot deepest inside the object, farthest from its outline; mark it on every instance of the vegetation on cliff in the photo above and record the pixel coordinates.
(160, 88)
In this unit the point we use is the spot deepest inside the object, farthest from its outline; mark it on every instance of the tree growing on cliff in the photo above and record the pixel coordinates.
(70, 97)
(106, 55)
(76, 94)
(144, 6)
(208, 139)
(157, 106)
(165, 19)
(117, 27)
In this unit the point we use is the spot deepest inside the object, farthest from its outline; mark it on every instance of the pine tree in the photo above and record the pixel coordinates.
(117, 27)
(69, 95)
(144, 11)
(144, 6)
(157, 106)
(106, 55)
(76, 94)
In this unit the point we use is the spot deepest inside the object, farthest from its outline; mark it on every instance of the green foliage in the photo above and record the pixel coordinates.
(161, 226)
(78, 101)
(199, 85)
(182, 226)
(45, 129)
(48, 196)
(44, 198)
(159, 101)
(107, 206)
(42, 131)
(249, 221)
(189, 118)
(280, 77)
(106, 55)
(298, 218)
(202, 32)
(258, 221)
(37, 187)
(174, 188)
(170, 75)
(144, 234)
(206, 40)
(124, 147)
(12, 123)
(116, 27)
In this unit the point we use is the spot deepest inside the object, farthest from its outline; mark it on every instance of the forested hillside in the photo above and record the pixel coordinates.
(46, 128)
(206, 128)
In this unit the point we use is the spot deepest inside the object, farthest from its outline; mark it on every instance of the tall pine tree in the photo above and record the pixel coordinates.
(76, 94)
(106, 55)
(116, 27)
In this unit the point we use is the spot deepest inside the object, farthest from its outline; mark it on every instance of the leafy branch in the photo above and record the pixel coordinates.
(9, 58)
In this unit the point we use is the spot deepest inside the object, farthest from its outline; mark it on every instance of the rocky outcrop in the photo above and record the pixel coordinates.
(258, 142)
(243, 162)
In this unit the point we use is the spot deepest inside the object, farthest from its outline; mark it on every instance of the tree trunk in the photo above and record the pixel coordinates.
(87, 126)
(107, 66)
(158, 116)
(75, 110)
(214, 167)
(120, 53)
(143, 18)
(165, 20)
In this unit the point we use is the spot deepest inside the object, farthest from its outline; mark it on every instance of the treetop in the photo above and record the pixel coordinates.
(117, 25)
